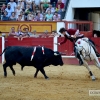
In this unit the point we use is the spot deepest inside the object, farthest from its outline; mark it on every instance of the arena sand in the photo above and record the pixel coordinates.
(66, 82)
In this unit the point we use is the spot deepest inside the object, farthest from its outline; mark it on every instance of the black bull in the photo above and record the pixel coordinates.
(22, 56)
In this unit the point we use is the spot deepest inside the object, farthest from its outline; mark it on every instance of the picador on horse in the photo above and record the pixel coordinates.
(73, 35)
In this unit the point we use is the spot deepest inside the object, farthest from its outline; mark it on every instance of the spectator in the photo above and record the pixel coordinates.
(12, 32)
(9, 10)
(29, 16)
(64, 1)
(13, 16)
(49, 16)
(53, 2)
(27, 33)
(20, 34)
(56, 17)
(3, 8)
(95, 35)
(23, 16)
(44, 5)
(28, 9)
(52, 10)
(54, 33)
(13, 5)
(35, 34)
(45, 34)
(34, 18)
(5, 17)
(18, 11)
(16, 1)
(39, 17)
(36, 4)
(60, 4)
(59, 10)
(21, 4)
(29, 2)
(20, 18)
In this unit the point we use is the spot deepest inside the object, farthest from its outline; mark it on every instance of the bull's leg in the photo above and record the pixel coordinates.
(22, 67)
(4, 68)
(13, 71)
(35, 75)
(43, 72)
(90, 72)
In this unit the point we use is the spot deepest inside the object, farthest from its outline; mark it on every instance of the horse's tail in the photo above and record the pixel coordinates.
(4, 51)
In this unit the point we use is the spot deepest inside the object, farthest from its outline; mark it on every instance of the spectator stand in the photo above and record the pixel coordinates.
(32, 8)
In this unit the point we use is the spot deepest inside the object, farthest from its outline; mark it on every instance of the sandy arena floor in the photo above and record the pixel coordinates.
(66, 82)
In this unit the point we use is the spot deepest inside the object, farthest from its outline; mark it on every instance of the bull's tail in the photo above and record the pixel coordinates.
(4, 51)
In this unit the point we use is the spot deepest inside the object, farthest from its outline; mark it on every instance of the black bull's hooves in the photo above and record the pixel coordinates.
(47, 78)
(14, 74)
(5, 76)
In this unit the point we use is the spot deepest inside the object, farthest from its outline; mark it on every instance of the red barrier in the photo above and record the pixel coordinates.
(0, 49)
(97, 42)
(47, 42)
(68, 46)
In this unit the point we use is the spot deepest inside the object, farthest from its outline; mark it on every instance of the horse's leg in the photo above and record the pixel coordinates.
(13, 71)
(97, 62)
(90, 72)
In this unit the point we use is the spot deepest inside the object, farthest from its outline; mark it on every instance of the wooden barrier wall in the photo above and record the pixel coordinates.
(40, 27)
(68, 49)
(47, 42)
(0, 49)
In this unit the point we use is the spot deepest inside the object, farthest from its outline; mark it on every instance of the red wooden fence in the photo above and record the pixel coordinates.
(68, 46)
(47, 42)
(85, 27)
(0, 49)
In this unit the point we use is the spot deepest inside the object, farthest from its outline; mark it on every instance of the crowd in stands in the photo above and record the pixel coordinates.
(32, 10)
(26, 33)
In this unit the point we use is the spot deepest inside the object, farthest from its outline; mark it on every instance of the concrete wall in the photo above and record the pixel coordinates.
(79, 4)
(95, 17)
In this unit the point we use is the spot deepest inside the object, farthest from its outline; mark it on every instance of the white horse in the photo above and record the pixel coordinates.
(87, 53)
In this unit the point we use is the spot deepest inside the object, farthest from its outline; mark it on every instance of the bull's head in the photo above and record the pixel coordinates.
(57, 59)
(56, 54)
(60, 53)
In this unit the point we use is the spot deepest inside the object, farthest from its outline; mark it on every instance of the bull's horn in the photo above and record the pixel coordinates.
(56, 54)
(62, 53)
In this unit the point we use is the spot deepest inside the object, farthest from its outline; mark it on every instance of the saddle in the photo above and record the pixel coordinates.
(90, 43)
